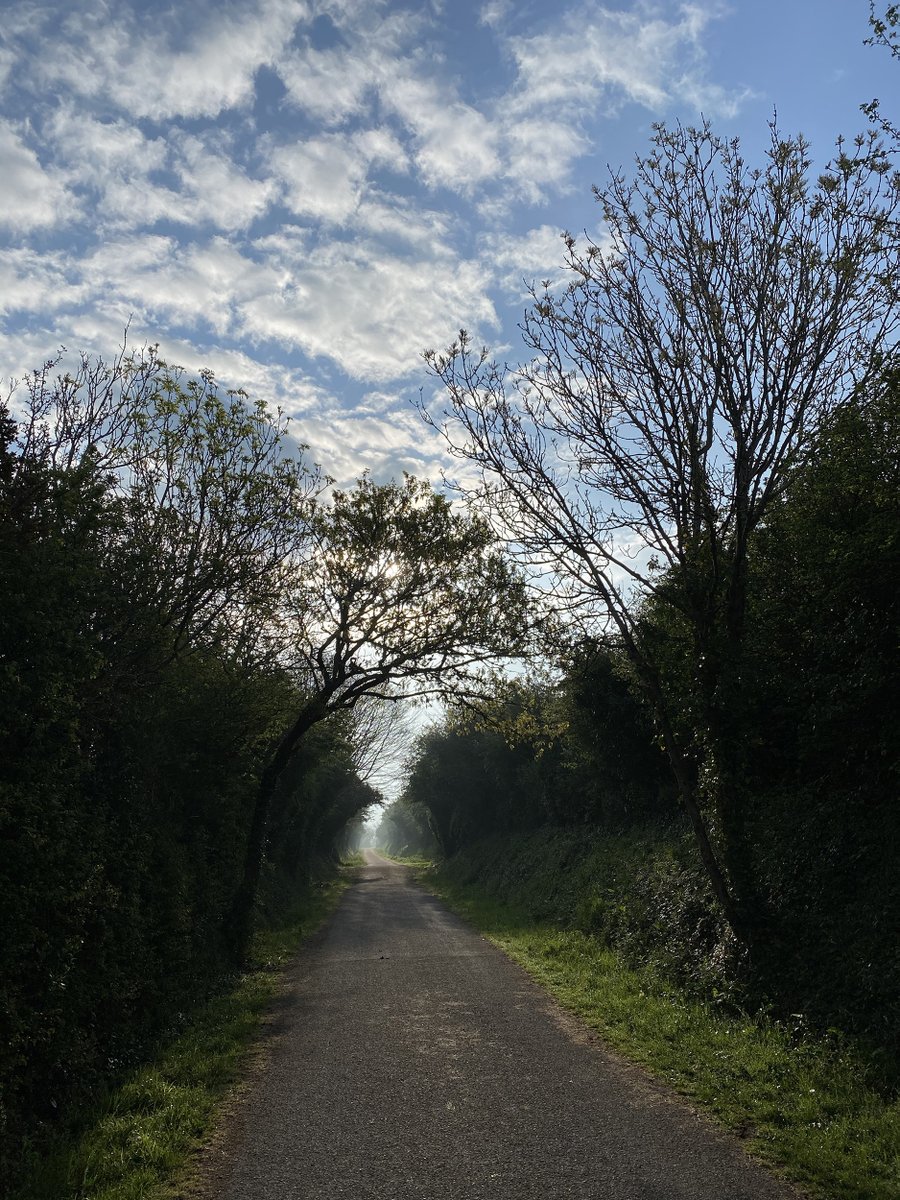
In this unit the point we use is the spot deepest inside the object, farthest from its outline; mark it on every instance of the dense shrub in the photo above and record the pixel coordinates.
(135, 715)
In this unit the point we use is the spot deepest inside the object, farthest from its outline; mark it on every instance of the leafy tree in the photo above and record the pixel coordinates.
(143, 520)
(619, 775)
(823, 693)
(213, 498)
(673, 383)
(404, 828)
(401, 596)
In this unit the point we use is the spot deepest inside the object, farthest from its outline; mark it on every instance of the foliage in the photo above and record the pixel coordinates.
(616, 770)
(576, 751)
(139, 1137)
(402, 594)
(823, 688)
(886, 33)
(404, 830)
(471, 782)
(145, 523)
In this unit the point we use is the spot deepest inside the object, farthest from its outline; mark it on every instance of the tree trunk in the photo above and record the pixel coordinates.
(240, 927)
(729, 903)
(724, 704)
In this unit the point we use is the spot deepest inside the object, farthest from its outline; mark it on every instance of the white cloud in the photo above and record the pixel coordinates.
(381, 148)
(535, 255)
(494, 12)
(597, 56)
(93, 149)
(7, 62)
(152, 69)
(370, 311)
(216, 189)
(330, 85)
(31, 282)
(117, 161)
(367, 310)
(323, 178)
(710, 98)
(540, 151)
(114, 160)
(455, 144)
(384, 444)
(326, 177)
(338, 83)
(394, 218)
(197, 285)
(452, 143)
(30, 197)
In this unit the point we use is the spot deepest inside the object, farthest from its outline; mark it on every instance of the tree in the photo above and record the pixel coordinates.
(673, 383)
(886, 33)
(213, 497)
(619, 774)
(405, 828)
(143, 521)
(401, 596)
(823, 674)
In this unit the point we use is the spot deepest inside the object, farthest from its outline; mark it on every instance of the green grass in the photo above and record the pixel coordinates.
(408, 860)
(139, 1144)
(802, 1105)
(353, 860)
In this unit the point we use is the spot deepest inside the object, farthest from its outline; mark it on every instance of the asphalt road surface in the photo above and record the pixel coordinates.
(411, 1060)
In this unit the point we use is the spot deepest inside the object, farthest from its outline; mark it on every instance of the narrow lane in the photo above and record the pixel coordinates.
(414, 1061)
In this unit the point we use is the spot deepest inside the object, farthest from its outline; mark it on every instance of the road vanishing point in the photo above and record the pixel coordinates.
(409, 1059)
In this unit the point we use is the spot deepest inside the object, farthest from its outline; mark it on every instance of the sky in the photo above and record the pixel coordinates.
(303, 195)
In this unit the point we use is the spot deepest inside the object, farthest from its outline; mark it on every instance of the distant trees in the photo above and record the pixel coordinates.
(399, 596)
(576, 753)
(674, 383)
(405, 829)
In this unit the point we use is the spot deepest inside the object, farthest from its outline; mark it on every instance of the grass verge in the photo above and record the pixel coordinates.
(356, 859)
(804, 1106)
(408, 860)
(138, 1143)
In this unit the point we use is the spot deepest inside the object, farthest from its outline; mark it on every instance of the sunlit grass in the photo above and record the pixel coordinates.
(355, 859)
(140, 1142)
(804, 1106)
(408, 860)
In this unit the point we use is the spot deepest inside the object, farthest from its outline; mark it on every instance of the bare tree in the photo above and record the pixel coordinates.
(886, 33)
(382, 736)
(673, 383)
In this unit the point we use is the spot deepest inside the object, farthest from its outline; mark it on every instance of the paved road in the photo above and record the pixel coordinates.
(413, 1061)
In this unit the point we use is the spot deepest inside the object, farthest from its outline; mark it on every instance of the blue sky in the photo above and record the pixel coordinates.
(304, 194)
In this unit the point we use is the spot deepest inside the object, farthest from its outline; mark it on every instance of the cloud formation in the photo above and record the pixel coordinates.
(315, 182)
